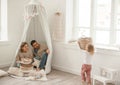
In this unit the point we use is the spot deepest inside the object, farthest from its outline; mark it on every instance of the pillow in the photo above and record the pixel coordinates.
(3, 73)
(15, 71)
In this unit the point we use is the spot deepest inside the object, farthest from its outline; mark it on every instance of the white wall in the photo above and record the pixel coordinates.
(16, 25)
(66, 57)
(69, 58)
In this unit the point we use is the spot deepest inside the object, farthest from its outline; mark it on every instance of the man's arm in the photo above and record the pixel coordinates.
(46, 48)
(47, 51)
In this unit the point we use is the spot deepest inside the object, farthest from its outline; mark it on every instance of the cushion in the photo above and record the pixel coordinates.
(15, 71)
(3, 73)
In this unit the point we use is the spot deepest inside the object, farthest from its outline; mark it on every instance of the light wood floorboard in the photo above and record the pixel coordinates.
(54, 78)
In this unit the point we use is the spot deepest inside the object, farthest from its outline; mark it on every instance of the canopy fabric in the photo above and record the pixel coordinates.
(36, 28)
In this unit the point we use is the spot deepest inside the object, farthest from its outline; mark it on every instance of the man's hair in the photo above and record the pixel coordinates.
(33, 41)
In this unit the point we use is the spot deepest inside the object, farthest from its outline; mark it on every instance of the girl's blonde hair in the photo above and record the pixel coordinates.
(90, 48)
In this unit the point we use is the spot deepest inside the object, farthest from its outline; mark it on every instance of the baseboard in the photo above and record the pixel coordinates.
(65, 69)
(5, 65)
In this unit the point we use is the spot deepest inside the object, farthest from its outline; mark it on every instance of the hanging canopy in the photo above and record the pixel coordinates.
(36, 28)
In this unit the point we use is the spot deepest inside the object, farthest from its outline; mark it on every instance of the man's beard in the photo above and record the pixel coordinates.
(38, 47)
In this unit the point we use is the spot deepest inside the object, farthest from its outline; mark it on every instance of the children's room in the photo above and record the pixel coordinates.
(60, 42)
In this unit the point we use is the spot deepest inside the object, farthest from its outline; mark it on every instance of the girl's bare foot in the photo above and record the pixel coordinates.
(88, 83)
(83, 82)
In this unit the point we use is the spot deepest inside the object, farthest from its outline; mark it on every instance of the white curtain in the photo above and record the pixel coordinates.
(36, 28)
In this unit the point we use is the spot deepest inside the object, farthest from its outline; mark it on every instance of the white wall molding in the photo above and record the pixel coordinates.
(108, 52)
(5, 65)
(66, 69)
(4, 43)
(75, 46)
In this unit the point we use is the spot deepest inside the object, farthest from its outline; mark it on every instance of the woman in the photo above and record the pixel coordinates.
(24, 58)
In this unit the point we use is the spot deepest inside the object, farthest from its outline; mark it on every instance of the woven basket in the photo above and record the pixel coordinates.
(84, 41)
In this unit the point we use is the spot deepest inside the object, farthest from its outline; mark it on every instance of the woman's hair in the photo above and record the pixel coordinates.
(22, 45)
(90, 48)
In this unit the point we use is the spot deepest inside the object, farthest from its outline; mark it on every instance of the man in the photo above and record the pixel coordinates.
(40, 52)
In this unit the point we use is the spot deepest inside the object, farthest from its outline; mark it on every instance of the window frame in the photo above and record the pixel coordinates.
(113, 25)
(3, 27)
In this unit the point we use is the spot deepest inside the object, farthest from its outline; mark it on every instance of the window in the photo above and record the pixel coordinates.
(99, 19)
(3, 20)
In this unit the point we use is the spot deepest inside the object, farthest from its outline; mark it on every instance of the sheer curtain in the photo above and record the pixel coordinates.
(36, 28)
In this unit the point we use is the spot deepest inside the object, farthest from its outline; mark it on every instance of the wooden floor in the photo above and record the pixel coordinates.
(54, 78)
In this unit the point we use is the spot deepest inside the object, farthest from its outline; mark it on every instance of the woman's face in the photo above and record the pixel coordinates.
(25, 48)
